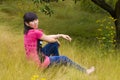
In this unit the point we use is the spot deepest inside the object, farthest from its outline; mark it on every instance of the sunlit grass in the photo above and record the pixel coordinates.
(14, 66)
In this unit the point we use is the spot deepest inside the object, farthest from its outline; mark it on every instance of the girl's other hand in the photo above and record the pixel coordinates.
(67, 37)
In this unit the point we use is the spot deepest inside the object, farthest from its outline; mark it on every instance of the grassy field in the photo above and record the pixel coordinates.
(14, 66)
(70, 20)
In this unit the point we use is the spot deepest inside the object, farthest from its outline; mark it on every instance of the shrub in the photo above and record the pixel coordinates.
(106, 33)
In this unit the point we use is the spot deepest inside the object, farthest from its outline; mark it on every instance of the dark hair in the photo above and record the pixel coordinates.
(29, 16)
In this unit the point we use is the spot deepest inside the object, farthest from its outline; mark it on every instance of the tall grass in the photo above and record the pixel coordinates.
(14, 66)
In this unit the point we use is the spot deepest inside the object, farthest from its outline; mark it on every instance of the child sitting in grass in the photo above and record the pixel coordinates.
(49, 54)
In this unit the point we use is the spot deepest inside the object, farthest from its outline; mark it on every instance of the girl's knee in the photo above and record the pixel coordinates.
(65, 57)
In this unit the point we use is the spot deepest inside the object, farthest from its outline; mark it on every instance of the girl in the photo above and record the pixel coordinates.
(49, 54)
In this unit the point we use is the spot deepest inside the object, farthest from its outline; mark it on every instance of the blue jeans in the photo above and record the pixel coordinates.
(52, 49)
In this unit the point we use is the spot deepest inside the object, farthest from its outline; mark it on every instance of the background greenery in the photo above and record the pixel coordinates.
(76, 20)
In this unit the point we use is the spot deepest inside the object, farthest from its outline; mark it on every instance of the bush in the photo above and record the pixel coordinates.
(106, 33)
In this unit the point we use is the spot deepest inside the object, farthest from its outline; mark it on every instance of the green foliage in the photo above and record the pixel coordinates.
(112, 3)
(76, 1)
(106, 33)
(88, 5)
(37, 1)
(47, 10)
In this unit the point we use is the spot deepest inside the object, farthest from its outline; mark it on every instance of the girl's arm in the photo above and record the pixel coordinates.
(54, 38)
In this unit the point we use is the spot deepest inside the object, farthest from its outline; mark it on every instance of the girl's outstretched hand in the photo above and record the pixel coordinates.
(67, 37)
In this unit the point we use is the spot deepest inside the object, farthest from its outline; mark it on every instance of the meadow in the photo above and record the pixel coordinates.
(83, 49)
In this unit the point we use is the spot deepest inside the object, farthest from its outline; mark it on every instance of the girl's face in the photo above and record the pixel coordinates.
(33, 24)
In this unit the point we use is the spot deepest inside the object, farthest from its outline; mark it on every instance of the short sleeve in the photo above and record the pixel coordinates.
(39, 34)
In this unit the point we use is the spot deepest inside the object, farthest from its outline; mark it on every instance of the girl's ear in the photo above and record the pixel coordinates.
(26, 23)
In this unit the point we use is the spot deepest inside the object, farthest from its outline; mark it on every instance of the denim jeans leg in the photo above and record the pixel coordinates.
(65, 61)
(51, 49)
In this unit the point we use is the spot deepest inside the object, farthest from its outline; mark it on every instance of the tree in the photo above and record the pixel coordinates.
(114, 12)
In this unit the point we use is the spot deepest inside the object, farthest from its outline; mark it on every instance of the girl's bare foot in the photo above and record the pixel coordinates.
(90, 70)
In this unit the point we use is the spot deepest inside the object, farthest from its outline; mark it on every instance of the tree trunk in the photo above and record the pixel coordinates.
(117, 23)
